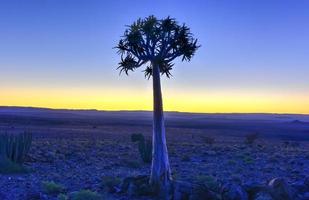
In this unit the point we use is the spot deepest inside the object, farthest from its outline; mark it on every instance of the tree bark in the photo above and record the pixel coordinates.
(160, 167)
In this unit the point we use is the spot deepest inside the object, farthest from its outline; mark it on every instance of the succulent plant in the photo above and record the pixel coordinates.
(14, 147)
(144, 147)
(86, 195)
(52, 188)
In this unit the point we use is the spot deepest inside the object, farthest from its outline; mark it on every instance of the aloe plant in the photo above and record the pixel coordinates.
(144, 147)
(155, 44)
(14, 147)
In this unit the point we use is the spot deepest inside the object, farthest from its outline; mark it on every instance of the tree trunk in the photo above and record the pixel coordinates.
(160, 167)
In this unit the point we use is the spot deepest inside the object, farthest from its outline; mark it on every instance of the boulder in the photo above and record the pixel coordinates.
(280, 190)
(263, 196)
(234, 192)
(182, 190)
(137, 186)
(253, 188)
(34, 195)
(305, 196)
(300, 187)
(188, 191)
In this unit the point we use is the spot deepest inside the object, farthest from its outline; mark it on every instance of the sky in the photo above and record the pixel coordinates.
(59, 54)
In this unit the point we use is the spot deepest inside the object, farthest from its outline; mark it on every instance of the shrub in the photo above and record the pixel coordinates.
(251, 138)
(131, 163)
(236, 178)
(247, 159)
(208, 140)
(186, 158)
(9, 167)
(62, 197)
(144, 147)
(295, 144)
(13, 150)
(136, 137)
(50, 187)
(86, 195)
(286, 144)
(291, 145)
(110, 183)
(209, 182)
(231, 162)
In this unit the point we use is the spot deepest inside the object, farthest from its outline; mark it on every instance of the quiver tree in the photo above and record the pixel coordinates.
(155, 44)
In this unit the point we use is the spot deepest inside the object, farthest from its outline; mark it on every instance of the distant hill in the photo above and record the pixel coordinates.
(293, 118)
(291, 126)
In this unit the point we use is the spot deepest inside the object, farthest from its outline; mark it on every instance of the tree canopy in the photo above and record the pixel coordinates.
(151, 42)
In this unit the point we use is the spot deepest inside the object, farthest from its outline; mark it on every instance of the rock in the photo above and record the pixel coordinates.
(209, 182)
(263, 196)
(110, 184)
(182, 190)
(31, 195)
(20, 179)
(280, 190)
(234, 192)
(136, 186)
(203, 193)
(2, 196)
(305, 196)
(253, 188)
(306, 182)
(186, 190)
(300, 187)
(210, 153)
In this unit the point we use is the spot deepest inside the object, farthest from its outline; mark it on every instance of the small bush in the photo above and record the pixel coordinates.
(186, 158)
(291, 145)
(209, 182)
(136, 137)
(248, 159)
(175, 174)
(9, 167)
(295, 144)
(86, 195)
(286, 144)
(62, 197)
(144, 147)
(131, 163)
(208, 140)
(236, 178)
(52, 188)
(110, 183)
(251, 138)
(231, 162)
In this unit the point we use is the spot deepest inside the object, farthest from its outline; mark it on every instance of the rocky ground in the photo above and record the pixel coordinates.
(228, 168)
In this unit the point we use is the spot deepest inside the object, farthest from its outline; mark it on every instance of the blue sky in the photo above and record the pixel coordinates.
(248, 47)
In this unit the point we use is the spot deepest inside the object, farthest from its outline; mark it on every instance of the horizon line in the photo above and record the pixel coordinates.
(190, 112)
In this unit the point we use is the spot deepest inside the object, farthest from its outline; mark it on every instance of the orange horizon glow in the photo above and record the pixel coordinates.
(192, 101)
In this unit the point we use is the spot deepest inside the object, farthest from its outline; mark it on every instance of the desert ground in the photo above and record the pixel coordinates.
(80, 149)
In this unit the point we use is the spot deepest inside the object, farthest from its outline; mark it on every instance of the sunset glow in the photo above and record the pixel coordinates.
(210, 102)
(254, 56)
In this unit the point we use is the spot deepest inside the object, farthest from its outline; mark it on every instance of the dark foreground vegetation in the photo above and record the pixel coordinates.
(105, 155)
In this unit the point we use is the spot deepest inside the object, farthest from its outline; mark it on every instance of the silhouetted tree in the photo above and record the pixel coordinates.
(155, 43)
